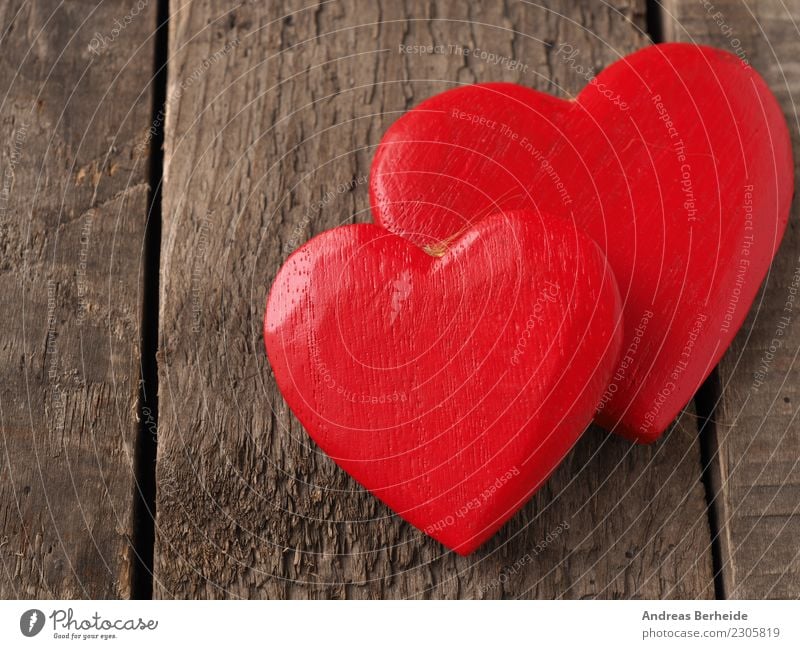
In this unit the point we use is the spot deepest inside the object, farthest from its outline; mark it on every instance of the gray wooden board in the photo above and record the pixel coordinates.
(757, 472)
(75, 105)
(273, 113)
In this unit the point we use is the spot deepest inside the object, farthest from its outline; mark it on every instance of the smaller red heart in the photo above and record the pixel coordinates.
(449, 385)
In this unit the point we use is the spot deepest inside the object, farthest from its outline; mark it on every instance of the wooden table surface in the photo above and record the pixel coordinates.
(160, 161)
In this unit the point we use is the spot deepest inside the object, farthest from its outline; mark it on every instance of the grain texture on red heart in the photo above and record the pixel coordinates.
(448, 386)
(676, 160)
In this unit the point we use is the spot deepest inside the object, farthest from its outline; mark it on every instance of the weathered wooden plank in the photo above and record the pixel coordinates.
(75, 104)
(270, 143)
(758, 456)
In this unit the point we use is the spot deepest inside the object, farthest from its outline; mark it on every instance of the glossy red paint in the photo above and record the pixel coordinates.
(676, 160)
(449, 386)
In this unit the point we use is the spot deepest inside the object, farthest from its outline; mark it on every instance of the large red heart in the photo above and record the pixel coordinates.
(676, 159)
(450, 386)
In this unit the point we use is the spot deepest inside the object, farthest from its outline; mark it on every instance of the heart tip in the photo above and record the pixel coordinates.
(465, 548)
(633, 433)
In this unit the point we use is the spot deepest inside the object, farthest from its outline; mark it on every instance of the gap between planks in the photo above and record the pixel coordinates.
(705, 399)
(144, 511)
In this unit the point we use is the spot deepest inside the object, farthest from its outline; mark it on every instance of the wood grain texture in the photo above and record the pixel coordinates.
(270, 143)
(758, 436)
(72, 218)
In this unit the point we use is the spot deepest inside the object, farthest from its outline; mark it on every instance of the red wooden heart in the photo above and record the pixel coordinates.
(448, 386)
(676, 160)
